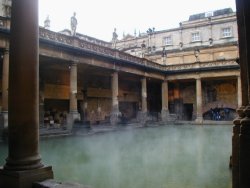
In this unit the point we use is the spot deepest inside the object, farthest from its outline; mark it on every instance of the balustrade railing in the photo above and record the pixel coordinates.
(81, 44)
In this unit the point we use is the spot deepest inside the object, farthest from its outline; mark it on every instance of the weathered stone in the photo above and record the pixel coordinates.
(142, 117)
(244, 152)
(25, 178)
(235, 147)
(55, 184)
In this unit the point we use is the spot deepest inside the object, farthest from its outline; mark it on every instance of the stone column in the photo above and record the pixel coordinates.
(23, 164)
(41, 102)
(84, 105)
(234, 161)
(142, 115)
(239, 92)
(244, 152)
(199, 118)
(114, 116)
(144, 95)
(164, 95)
(5, 87)
(243, 21)
(73, 112)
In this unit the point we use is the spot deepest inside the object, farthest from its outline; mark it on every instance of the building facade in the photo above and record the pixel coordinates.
(206, 38)
(5, 8)
(186, 73)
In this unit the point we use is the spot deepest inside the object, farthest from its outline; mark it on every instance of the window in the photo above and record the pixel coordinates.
(226, 32)
(168, 40)
(196, 36)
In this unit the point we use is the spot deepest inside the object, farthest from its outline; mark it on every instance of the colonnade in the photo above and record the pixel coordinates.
(114, 116)
(23, 166)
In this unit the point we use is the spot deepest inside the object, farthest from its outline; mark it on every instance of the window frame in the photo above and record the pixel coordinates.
(196, 38)
(167, 42)
(223, 32)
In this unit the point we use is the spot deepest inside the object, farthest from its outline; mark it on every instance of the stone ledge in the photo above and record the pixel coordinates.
(24, 179)
(50, 183)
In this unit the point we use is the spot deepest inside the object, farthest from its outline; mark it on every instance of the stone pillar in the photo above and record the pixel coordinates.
(239, 92)
(243, 21)
(142, 115)
(23, 164)
(41, 101)
(164, 96)
(5, 87)
(144, 95)
(234, 161)
(73, 112)
(244, 152)
(84, 105)
(199, 118)
(114, 116)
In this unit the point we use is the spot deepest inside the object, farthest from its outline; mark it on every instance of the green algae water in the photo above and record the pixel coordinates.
(161, 157)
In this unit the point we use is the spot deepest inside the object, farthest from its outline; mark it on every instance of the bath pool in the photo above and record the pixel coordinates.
(161, 157)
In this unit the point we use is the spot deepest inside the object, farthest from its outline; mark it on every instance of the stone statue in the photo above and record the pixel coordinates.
(114, 38)
(73, 24)
(47, 23)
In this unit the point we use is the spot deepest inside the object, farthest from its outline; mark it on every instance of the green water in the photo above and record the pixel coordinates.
(162, 157)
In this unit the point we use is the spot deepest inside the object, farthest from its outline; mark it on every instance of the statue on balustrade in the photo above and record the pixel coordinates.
(73, 24)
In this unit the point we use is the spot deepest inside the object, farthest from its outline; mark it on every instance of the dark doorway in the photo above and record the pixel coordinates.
(128, 111)
(188, 111)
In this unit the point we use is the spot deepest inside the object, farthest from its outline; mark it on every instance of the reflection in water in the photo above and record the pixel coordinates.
(162, 157)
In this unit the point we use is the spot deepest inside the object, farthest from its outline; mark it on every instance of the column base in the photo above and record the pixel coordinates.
(3, 125)
(142, 117)
(164, 115)
(72, 117)
(199, 120)
(244, 152)
(4, 119)
(235, 166)
(115, 118)
(24, 179)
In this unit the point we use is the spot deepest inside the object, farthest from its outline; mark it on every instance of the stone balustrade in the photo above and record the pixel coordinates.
(100, 50)
(202, 65)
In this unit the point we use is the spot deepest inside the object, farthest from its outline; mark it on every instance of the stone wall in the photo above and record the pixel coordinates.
(215, 93)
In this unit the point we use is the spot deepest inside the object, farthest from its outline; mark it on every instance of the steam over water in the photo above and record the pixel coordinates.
(162, 157)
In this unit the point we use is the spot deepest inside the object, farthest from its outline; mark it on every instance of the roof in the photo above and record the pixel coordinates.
(209, 14)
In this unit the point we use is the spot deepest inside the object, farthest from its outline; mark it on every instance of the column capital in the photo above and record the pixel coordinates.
(73, 63)
(6, 51)
(143, 77)
(114, 72)
(198, 78)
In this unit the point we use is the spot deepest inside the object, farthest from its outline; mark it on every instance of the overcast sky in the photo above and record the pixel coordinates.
(98, 18)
